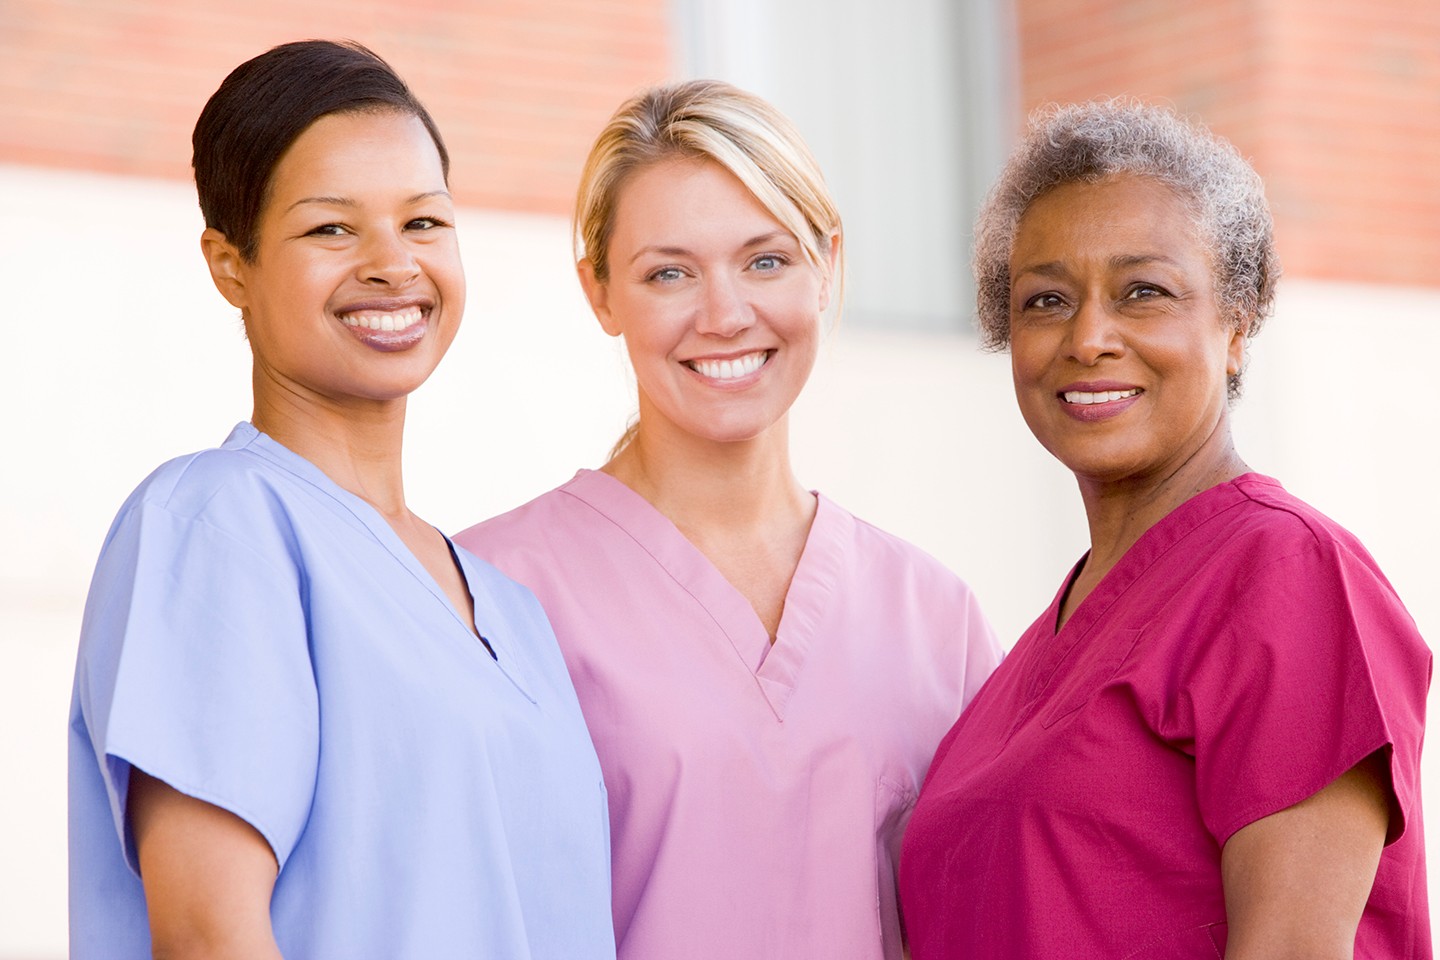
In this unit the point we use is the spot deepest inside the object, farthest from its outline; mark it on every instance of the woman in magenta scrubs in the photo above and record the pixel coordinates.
(765, 677)
(1209, 743)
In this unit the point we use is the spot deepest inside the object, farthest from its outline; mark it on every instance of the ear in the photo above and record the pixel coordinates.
(597, 292)
(832, 258)
(1235, 351)
(227, 267)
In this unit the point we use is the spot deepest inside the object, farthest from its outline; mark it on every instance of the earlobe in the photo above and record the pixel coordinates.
(597, 293)
(226, 266)
(1235, 352)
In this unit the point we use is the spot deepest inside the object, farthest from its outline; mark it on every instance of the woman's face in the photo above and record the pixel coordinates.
(356, 290)
(719, 308)
(1118, 350)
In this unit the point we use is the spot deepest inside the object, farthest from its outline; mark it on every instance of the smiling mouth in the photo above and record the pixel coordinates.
(1100, 396)
(730, 369)
(384, 320)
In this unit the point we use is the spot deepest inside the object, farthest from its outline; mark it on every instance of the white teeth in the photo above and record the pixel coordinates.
(383, 319)
(730, 369)
(1103, 396)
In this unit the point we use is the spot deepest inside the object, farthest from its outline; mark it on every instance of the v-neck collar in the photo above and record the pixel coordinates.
(1055, 646)
(487, 619)
(776, 668)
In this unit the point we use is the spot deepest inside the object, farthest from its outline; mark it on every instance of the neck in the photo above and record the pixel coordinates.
(354, 443)
(1120, 512)
(707, 487)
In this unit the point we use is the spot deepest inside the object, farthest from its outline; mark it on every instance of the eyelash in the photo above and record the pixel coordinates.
(1155, 291)
(780, 259)
(1034, 302)
(324, 229)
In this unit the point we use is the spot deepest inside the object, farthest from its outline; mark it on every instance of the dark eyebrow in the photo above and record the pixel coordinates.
(755, 241)
(1051, 268)
(1121, 261)
(347, 202)
(1054, 268)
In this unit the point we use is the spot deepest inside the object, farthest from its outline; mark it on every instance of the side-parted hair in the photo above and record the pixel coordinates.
(1089, 142)
(709, 120)
(264, 105)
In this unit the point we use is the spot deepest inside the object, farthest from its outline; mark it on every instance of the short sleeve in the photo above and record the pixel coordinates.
(1318, 667)
(194, 666)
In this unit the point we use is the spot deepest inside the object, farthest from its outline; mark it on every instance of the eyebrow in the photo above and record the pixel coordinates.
(1121, 261)
(754, 241)
(347, 202)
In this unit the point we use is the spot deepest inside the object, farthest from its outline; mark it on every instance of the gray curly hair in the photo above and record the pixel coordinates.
(1088, 142)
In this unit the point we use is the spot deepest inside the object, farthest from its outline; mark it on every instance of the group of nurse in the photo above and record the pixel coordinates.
(306, 724)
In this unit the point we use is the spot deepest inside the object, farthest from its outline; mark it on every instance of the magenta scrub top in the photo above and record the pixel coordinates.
(757, 793)
(1242, 655)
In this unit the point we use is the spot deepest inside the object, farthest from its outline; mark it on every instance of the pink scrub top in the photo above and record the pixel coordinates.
(1241, 656)
(757, 793)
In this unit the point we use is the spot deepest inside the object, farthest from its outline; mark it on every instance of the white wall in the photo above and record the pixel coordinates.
(121, 355)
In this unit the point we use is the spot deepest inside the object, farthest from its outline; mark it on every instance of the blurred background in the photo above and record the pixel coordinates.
(121, 355)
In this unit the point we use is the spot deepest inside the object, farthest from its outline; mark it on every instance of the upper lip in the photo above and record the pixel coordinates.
(729, 355)
(1095, 386)
(386, 305)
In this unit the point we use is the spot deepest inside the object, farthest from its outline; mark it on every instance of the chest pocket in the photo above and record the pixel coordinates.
(1092, 664)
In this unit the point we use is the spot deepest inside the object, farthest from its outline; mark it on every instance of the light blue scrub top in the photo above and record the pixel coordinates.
(259, 638)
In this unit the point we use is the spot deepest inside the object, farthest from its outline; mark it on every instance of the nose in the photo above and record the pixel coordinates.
(724, 310)
(387, 259)
(1094, 333)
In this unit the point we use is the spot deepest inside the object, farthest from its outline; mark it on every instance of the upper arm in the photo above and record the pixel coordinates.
(208, 875)
(1296, 882)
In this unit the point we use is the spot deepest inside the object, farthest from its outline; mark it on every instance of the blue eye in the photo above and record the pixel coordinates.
(768, 263)
(666, 274)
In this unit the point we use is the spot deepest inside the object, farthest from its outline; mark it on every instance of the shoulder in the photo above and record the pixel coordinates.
(229, 492)
(560, 527)
(1269, 524)
(528, 525)
(881, 556)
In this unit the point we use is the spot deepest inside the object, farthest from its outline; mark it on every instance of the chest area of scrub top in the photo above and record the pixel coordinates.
(668, 574)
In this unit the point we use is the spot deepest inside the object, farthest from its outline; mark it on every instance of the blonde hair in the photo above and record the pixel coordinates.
(707, 120)
(714, 121)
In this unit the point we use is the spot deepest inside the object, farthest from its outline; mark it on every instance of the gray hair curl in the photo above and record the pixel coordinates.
(1089, 142)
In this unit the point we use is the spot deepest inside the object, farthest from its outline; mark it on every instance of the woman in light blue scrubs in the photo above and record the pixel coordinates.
(306, 725)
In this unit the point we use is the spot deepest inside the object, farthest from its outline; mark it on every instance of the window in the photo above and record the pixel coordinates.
(909, 107)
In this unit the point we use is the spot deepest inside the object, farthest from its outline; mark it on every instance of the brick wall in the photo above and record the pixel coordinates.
(518, 88)
(1336, 103)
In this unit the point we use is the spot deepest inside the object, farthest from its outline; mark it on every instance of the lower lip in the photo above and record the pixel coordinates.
(390, 341)
(1092, 412)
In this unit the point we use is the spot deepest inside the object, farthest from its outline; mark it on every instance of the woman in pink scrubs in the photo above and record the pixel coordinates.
(765, 676)
(1209, 743)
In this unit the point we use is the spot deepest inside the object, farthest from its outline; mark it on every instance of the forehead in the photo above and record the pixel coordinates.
(686, 196)
(359, 145)
(1124, 215)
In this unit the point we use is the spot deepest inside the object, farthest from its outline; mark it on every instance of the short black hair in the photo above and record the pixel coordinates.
(265, 104)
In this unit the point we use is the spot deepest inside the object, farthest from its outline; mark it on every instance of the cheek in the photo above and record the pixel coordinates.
(1027, 359)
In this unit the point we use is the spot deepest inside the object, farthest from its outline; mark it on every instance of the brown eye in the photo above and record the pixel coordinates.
(1144, 291)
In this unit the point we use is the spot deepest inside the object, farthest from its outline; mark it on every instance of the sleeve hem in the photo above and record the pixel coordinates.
(1276, 804)
(127, 841)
